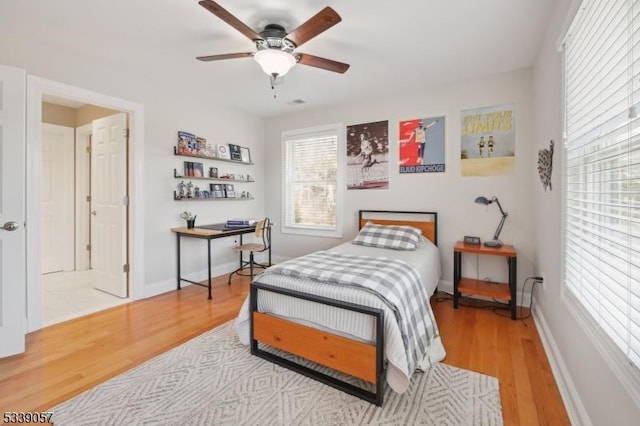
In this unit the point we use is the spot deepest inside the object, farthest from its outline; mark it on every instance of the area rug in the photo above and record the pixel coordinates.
(214, 380)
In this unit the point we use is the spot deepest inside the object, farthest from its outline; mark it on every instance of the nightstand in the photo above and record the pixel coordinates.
(502, 291)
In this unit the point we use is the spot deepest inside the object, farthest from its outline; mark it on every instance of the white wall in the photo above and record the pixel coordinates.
(450, 194)
(595, 395)
(167, 109)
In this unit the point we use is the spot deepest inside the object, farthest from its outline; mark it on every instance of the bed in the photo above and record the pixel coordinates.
(361, 308)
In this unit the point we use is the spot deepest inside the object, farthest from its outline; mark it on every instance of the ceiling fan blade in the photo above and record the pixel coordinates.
(325, 64)
(225, 56)
(317, 24)
(227, 17)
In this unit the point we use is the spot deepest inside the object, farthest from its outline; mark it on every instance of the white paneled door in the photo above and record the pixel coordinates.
(57, 198)
(108, 205)
(12, 210)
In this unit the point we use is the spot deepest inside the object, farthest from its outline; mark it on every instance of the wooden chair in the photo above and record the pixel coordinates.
(262, 230)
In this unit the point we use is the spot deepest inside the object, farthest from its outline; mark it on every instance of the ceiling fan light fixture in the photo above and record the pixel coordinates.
(275, 62)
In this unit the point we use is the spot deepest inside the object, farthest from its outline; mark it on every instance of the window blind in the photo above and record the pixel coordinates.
(602, 170)
(311, 181)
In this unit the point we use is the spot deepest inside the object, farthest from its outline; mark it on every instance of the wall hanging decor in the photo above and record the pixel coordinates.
(368, 155)
(545, 165)
(421, 145)
(488, 141)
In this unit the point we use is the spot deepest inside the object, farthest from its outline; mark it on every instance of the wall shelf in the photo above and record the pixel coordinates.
(175, 197)
(205, 157)
(177, 176)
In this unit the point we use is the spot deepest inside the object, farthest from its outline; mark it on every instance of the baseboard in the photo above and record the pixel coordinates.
(164, 286)
(572, 402)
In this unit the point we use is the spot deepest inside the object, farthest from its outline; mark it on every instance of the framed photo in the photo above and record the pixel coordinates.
(217, 190)
(223, 151)
(234, 151)
(245, 154)
(421, 145)
(229, 190)
(213, 172)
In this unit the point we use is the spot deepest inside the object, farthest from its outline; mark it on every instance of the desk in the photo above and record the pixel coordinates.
(210, 234)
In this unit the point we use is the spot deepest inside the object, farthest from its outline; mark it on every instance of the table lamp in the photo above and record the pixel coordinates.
(496, 240)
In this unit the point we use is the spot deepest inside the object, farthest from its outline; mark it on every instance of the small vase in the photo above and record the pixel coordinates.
(191, 223)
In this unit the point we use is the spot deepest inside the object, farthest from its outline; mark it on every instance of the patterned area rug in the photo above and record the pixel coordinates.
(213, 379)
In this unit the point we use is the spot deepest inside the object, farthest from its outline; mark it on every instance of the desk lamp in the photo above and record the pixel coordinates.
(496, 241)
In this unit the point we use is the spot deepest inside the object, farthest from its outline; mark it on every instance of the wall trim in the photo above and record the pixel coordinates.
(36, 88)
(572, 402)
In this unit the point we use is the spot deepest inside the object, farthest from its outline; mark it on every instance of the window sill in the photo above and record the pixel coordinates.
(626, 373)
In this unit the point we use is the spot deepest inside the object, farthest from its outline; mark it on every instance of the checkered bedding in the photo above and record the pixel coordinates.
(396, 237)
(395, 282)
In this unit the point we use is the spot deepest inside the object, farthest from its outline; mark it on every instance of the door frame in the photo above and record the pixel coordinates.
(36, 88)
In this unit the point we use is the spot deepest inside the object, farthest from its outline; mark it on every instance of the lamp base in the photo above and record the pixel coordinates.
(493, 244)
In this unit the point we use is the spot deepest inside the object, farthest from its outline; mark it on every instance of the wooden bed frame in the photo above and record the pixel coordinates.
(361, 360)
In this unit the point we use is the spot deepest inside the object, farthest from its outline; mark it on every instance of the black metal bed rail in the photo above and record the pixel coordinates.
(375, 398)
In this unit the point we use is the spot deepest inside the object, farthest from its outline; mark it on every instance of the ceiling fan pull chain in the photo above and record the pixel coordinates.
(272, 79)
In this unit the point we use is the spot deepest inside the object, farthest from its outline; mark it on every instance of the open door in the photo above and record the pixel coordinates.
(12, 210)
(109, 204)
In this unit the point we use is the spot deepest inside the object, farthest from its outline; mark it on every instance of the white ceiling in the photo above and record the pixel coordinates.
(393, 47)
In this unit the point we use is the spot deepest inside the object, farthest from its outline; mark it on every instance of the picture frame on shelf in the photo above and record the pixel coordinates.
(245, 154)
(213, 172)
(217, 190)
(222, 151)
(234, 152)
(229, 190)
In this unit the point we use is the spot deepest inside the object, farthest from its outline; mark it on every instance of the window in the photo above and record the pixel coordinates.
(312, 182)
(602, 170)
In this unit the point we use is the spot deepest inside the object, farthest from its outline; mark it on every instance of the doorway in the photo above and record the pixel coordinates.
(78, 243)
(41, 90)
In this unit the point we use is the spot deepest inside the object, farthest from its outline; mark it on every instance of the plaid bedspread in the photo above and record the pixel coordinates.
(395, 282)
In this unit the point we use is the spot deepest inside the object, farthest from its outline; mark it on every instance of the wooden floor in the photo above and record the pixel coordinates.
(66, 359)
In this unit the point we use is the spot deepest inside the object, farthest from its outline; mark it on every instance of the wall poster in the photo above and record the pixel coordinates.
(368, 155)
(488, 143)
(421, 145)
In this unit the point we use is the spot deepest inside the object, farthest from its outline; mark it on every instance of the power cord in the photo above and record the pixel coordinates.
(502, 306)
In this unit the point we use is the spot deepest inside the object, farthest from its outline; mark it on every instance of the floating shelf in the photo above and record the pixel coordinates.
(177, 176)
(206, 157)
(175, 197)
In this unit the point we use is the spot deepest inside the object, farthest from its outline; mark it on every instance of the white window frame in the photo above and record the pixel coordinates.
(336, 129)
(624, 370)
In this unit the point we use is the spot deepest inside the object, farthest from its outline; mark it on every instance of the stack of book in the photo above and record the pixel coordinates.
(240, 223)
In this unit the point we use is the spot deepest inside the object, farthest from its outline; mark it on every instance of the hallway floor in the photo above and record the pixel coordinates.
(67, 295)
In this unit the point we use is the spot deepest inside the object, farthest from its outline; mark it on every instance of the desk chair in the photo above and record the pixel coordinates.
(251, 248)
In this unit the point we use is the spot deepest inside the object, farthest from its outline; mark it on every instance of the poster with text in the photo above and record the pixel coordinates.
(421, 145)
(488, 142)
(368, 155)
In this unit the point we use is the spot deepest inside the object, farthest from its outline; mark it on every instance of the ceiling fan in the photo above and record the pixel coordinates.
(275, 47)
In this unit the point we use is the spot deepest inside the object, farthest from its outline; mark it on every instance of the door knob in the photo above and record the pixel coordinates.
(10, 226)
(93, 212)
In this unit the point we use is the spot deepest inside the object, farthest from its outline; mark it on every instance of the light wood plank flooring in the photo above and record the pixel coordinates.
(68, 358)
